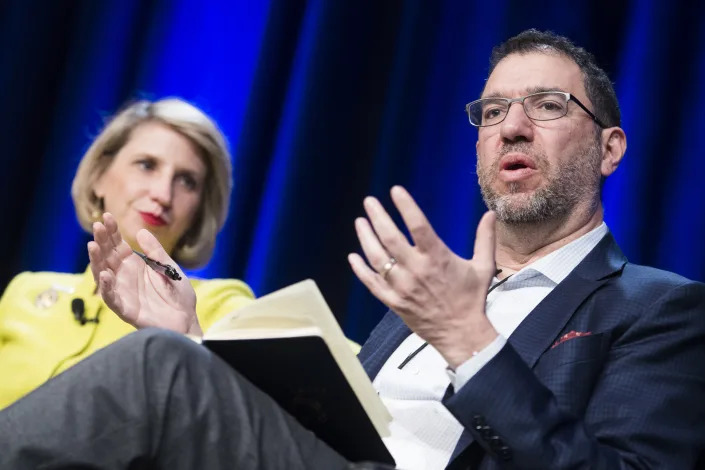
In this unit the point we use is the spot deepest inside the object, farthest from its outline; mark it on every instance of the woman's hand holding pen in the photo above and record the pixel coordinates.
(138, 294)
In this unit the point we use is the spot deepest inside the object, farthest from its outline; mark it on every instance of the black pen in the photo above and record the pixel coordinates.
(165, 269)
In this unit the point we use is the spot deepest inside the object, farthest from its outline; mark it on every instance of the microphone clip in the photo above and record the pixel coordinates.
(78, 308)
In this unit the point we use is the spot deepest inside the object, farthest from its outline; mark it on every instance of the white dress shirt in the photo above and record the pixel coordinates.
(423, 432)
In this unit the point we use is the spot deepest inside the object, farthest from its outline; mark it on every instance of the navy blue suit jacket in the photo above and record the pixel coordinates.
(631, 394)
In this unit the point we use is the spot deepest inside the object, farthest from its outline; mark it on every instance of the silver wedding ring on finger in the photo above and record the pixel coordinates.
(388, 267)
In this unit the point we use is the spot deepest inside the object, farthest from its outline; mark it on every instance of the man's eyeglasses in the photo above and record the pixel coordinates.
(543, 106)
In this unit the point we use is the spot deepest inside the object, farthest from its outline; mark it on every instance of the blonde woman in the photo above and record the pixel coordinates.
(162, 166)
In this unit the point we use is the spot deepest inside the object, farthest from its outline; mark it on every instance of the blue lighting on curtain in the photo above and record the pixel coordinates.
(325, 102)
(638, 73)
(276, 182)
(91, 88)
(681, 247)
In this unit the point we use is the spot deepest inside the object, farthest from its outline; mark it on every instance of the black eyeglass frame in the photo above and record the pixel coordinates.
(510, 101)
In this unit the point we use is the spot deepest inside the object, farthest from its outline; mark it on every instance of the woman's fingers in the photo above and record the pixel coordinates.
(111, 228)
(95, 256)
(152, 248)
(106, 285)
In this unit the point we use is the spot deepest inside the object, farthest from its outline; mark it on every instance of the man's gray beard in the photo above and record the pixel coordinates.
(577, 181)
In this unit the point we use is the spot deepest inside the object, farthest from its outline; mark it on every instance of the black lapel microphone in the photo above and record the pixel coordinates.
(78, 307)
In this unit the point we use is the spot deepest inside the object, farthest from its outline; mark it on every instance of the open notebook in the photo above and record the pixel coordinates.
(290, 346)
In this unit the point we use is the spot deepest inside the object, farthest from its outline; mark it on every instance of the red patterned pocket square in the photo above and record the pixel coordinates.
(570, 335)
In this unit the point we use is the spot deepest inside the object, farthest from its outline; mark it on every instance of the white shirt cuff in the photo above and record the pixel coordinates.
(472, 366)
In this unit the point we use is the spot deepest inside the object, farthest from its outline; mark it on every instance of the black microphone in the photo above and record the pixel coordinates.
(78, 307)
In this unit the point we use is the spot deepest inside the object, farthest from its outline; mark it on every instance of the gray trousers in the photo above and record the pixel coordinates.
(155, 399)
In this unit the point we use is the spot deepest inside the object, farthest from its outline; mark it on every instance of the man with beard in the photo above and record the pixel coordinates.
(547, 349)
(560, 353)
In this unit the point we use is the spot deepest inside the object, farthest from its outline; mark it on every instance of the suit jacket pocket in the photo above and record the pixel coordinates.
(582, 348)
(571, 369)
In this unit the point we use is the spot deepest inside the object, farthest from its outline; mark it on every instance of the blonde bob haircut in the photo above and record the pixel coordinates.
(196, 246)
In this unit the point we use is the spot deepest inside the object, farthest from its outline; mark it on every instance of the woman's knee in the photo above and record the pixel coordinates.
(157, 342)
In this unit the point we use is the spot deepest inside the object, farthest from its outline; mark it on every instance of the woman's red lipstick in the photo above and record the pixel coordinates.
(152, 219)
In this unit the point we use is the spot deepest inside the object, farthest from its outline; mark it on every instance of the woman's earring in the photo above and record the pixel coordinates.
(97, 212)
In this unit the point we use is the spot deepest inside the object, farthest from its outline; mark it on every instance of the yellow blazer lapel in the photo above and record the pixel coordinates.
(74, 337)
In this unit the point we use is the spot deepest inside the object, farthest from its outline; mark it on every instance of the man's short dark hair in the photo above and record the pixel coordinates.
(597, 84)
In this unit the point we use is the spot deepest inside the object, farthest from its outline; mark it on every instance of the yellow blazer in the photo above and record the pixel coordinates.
(40, 338)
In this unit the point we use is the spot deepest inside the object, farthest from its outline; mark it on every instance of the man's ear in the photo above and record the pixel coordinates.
(614, 144)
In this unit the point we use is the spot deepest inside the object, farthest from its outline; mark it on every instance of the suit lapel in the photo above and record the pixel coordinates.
(383, 341)
(543, 325)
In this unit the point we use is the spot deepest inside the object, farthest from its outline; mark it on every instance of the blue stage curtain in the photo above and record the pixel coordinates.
(324, 102)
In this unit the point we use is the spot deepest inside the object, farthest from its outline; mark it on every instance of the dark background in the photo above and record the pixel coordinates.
(324, 102)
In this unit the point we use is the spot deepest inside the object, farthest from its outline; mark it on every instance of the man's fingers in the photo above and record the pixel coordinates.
(485, 240)
(372, 280)
(420, 229)
(389, 235)
(375, 253)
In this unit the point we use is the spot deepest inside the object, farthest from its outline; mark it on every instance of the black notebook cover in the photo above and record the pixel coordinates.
(302, 376)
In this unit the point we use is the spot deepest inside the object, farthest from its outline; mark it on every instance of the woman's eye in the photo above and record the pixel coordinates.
(187, 181)
(145, 164)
